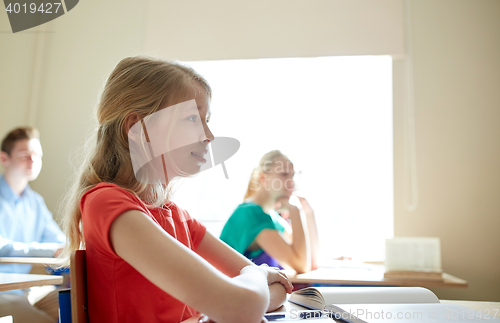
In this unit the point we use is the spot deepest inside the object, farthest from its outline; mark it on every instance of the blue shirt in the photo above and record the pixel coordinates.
(27, 228)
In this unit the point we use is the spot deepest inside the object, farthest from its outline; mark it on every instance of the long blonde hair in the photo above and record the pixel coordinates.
(140, 86)
(265, 165)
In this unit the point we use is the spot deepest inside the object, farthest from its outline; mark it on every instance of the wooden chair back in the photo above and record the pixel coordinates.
(78, 276)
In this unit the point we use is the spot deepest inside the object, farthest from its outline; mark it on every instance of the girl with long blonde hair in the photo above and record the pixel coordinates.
(259, 232)
(147, 259)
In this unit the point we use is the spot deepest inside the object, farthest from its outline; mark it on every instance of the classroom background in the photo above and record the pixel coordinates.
(445, 69)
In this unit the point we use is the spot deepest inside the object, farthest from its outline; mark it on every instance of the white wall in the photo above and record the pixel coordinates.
(457, 102)
(221, 29)
(456, 51)
(79, 50)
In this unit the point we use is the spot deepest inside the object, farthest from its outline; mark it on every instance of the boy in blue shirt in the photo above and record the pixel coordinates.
(26, 225)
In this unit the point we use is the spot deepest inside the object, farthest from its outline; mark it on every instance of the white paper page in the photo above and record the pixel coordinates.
(413, 253)
(376, 295)
(413, 313)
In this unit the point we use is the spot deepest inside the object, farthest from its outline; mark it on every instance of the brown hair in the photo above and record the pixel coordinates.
(265, 165)
(17, 134)
(140, 86)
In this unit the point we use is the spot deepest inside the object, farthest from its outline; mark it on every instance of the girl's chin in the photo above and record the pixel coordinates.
(284, 195)
(193, 170)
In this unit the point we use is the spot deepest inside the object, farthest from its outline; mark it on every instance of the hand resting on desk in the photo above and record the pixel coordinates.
(277, 296)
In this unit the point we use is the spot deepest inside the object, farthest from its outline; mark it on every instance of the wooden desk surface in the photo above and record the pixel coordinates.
(29, 260)
(21, 281)
(347, 273)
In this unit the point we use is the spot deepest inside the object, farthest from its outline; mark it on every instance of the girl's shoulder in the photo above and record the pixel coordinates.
(249, 207)
(249, 204)
(107, 192)
(250, 210)
(109, 188)
(249, 216)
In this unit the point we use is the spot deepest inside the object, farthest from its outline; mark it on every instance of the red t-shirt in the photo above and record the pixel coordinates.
(116, 291)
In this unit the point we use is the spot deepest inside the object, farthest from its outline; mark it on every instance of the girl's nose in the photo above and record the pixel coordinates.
(209, 137)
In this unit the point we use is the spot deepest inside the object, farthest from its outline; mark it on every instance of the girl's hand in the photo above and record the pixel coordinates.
(283, 205)
(275, 275)
(305, 205)
(205, 319)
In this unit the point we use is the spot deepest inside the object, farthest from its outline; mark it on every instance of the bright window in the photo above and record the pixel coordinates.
(332, 116)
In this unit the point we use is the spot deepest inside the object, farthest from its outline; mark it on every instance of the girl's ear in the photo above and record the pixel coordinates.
(262, 177)
(130, 120)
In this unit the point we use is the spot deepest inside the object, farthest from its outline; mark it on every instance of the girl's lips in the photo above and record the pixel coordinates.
(199, 156)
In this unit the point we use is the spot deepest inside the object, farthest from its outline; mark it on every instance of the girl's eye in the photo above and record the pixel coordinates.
(192, 118)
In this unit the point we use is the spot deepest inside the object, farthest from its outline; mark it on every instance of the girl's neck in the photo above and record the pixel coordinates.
(264, 199)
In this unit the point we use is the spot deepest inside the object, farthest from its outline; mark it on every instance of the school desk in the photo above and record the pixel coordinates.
(39, 263)
(346, 273)
(21, 281)
(29, 260)
(41, 266)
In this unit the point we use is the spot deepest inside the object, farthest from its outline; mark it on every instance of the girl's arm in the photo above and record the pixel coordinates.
(230, 262)
(312, 230)
(297, 253)
(159, 257)
(222, 256)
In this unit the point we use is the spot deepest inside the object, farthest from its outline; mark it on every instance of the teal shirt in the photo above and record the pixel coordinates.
(246, 222)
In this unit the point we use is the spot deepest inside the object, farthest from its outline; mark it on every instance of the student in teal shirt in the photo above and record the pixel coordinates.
(256, 230)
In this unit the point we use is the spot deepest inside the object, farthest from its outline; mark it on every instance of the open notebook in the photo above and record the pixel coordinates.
(395, 304)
